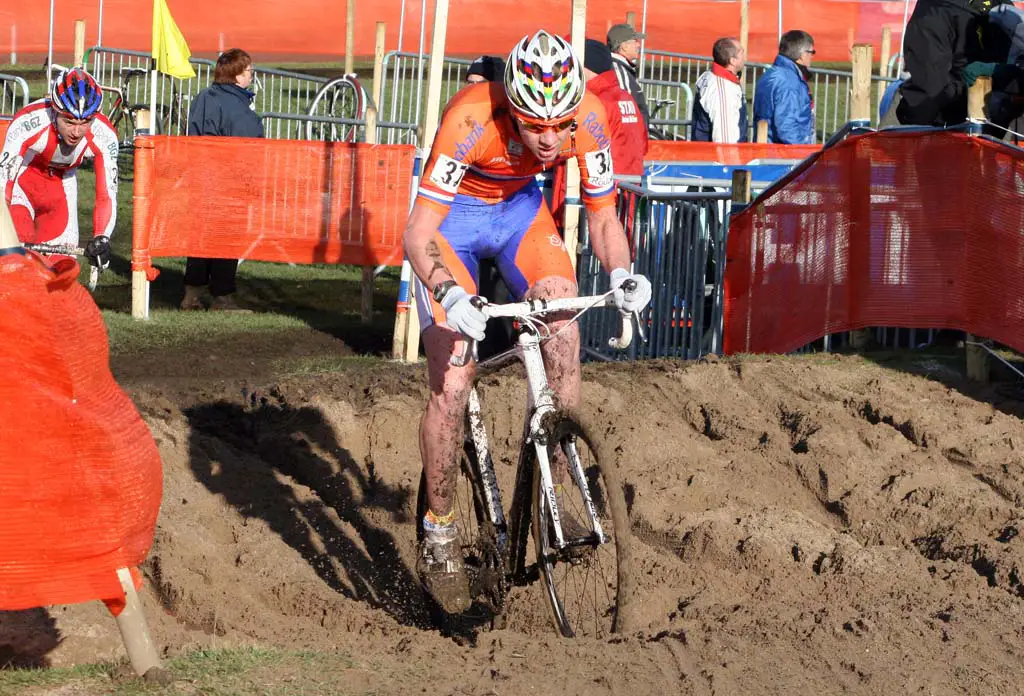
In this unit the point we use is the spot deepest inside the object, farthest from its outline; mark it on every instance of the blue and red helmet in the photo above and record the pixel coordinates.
(76, 94)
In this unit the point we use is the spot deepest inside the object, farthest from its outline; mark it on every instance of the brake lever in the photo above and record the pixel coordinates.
(469, 345)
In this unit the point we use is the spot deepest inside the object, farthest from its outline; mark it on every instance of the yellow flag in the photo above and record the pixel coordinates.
(169, 48)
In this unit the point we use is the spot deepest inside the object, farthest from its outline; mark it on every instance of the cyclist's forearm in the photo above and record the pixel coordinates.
(422, 249)
(608, 239)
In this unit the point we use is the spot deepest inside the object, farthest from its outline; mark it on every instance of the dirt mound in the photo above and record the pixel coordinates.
(802, 526)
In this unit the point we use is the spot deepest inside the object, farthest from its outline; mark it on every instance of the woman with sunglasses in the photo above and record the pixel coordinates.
(478, 198)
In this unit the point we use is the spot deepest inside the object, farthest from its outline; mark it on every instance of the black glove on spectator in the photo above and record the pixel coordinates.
(98, 252)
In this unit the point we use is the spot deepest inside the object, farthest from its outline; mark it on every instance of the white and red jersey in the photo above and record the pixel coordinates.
(33, 152)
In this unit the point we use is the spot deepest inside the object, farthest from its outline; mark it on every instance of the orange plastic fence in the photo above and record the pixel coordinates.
(80, 476)
(4, 123)
(686, 151)
(270, 200)
(270, 28)
(884, 229)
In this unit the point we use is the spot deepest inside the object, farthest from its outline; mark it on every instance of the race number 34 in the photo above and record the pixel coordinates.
(599, 163)
(447, 173)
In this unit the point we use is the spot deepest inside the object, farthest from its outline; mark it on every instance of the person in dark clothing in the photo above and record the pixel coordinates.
(485, 69)
(942, 37)
(624, 43)
(223, 109)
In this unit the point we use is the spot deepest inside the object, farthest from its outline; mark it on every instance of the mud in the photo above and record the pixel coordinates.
(802, 526)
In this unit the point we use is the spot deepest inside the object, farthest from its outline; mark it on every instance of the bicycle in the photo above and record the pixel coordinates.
(656, 132)
(341, 98)
(124, 116)
(495, 547)
(67, 250)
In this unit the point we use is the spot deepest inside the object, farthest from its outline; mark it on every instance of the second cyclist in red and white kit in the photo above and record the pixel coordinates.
(46, 143)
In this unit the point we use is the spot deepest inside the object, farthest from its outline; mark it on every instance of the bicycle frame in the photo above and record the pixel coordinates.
(540, 407)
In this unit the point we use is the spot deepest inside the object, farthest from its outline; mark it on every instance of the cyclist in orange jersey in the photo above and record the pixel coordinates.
(478, 198)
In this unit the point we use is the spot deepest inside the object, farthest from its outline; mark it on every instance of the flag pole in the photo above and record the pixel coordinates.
(49, 50)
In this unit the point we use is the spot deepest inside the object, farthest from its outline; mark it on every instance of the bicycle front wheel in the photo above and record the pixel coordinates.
(586, 581)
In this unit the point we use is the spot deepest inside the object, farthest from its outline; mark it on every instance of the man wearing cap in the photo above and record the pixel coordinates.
(624, 43)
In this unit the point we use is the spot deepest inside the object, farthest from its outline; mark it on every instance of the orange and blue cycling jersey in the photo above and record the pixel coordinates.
(481, 176)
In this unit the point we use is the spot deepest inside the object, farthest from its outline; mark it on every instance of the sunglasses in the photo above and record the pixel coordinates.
(544, 127)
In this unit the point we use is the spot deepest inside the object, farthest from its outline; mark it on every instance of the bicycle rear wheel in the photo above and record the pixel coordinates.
(587, 582)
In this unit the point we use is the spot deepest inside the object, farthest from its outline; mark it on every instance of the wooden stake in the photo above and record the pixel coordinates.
(631, 19)
(977, 356)
(742, 192)
(976, 96)
(131, 622)
(883, 61)
(860, 84)
(79, 43)
(366, 305)
(762, 132)
(744, 36)
(8, 237)
(350, 40)
(430, 121)
(378, 65)
(572, 185)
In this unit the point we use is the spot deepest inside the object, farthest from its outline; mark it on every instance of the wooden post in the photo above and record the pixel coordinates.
(366, 305)
(378, 66)
(860, 110)
(741, 187)
(8, 237)
(131, 622)
(744, 38)
(430, 121)
(79, 43)
(883, 61)
(631, 19)
(572, 186)
(860, 84)
(350, 37)
(976, 96)
(977, 356)
(762, 132)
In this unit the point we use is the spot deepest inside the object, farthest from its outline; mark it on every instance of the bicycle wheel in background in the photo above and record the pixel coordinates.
(587, 586)
(478, 540)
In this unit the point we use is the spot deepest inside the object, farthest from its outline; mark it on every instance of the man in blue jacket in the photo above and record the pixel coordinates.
(783, 97)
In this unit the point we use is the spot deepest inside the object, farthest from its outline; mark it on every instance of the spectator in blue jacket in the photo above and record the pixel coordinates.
(783, 95)
(222, 109)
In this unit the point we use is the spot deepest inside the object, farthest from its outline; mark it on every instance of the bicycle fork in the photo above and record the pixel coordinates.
(485, 465)
(541, 399)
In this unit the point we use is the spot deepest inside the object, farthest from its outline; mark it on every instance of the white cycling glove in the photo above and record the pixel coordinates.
(630, 300)
(462, 315)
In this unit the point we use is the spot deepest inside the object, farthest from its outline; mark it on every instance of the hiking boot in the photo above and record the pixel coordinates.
(439, 565)
(226, 303)
(193, 298)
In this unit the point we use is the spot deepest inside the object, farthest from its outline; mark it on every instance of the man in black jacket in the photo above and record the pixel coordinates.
(942, 37)
(624, 43)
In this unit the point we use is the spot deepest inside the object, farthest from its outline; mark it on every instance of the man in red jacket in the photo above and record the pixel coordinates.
(629, 134)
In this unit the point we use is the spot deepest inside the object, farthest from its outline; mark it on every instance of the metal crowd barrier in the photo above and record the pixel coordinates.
(404, 92)
(13, 94)
(277, 92)
(678, 242)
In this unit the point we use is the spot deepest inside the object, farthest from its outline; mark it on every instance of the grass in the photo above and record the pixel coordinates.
(231, 672)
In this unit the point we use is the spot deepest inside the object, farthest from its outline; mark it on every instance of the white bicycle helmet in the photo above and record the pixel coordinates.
(543, 78)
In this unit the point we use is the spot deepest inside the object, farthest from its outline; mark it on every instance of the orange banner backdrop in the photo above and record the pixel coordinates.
(270, 200)
(880, 231)
(273, 30)
(80, 475)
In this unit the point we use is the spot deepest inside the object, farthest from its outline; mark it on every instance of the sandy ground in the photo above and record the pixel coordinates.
(801, 526)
